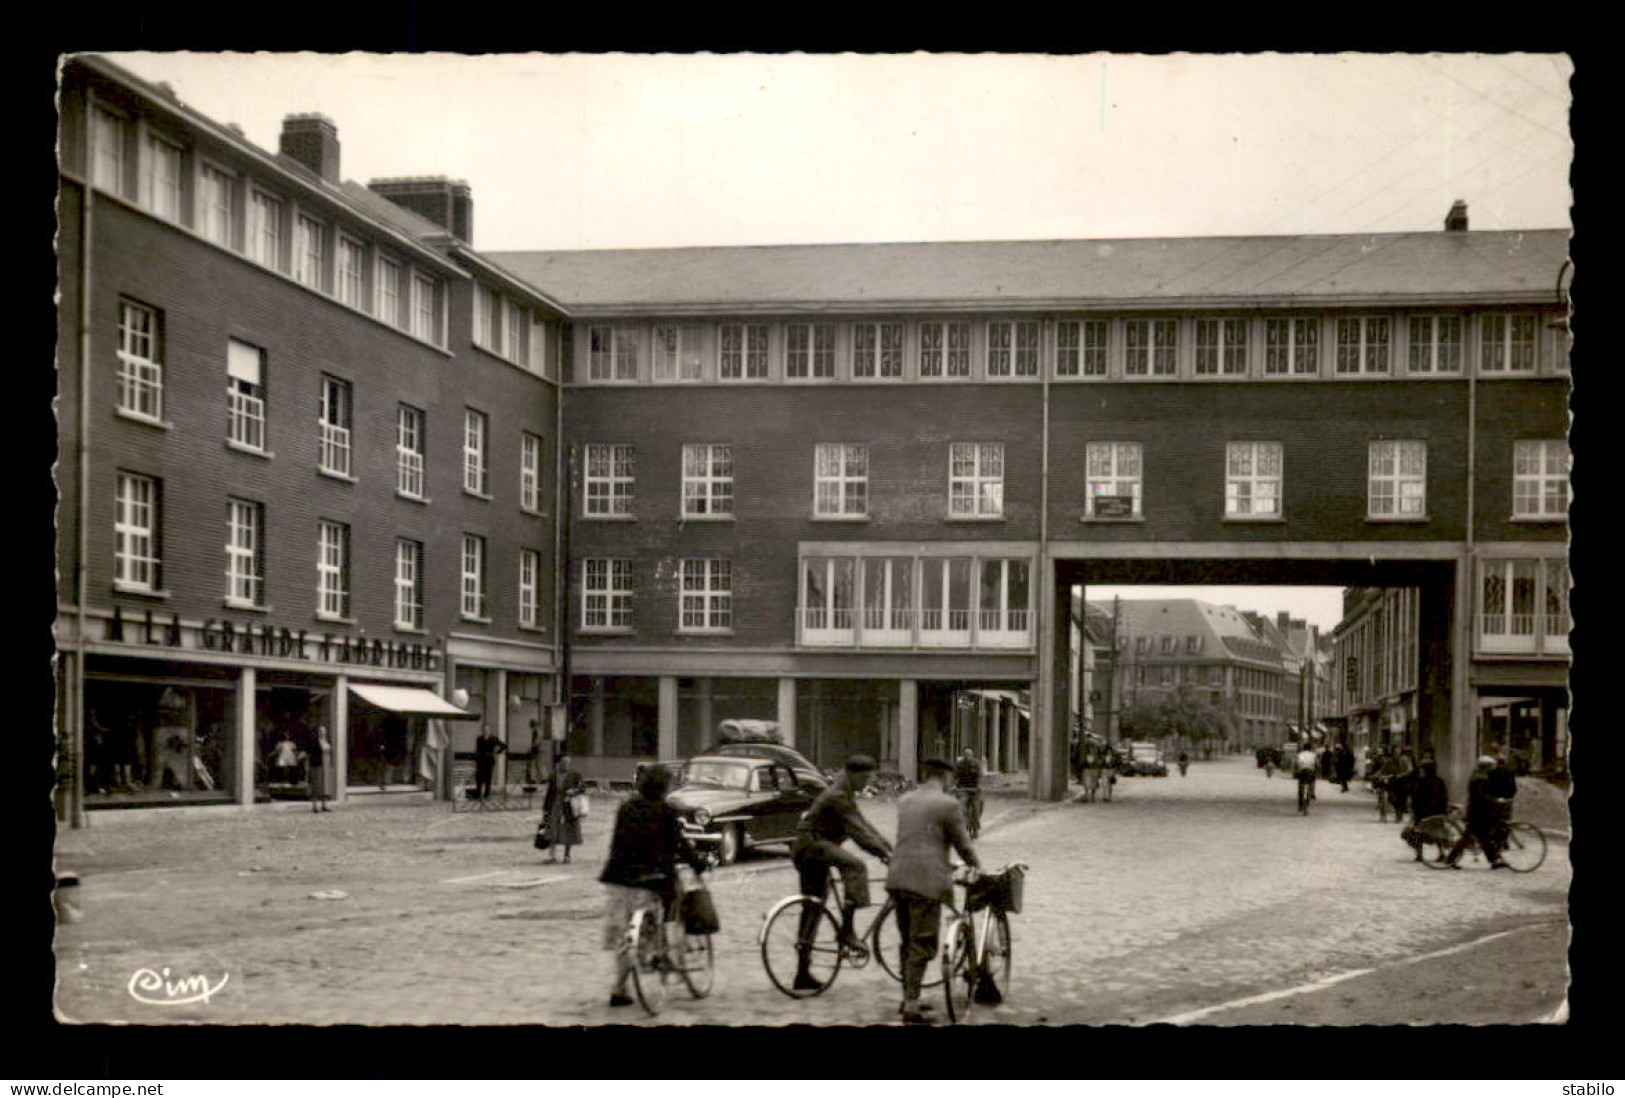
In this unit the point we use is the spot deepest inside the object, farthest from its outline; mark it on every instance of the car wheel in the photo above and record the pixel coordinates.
(732, 842)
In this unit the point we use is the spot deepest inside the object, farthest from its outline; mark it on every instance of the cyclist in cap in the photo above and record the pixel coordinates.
(830, 821)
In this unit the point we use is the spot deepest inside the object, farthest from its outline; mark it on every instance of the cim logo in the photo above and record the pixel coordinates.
(158, 988)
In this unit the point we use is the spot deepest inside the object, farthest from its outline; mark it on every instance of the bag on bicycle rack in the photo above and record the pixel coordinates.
(1002, 891)
(698, 913)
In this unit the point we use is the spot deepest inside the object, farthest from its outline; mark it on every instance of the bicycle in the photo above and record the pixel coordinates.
(970, 799)
(656, 958)
(780, 941)
(1306, 791)
(1523, 845)
(976, 941)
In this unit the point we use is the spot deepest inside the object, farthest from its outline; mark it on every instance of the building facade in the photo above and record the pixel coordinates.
(842, 487)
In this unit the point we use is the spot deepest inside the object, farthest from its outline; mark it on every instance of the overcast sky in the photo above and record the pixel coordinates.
(622, 151)
(602, 151)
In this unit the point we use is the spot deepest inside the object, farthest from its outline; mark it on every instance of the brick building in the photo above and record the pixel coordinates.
(838, 486)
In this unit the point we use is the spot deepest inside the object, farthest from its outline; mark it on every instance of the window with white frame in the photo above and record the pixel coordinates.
(1252, 480)
(809, 350)
(708, 480)
(1292, 346)
(389, 291)
(350, 264)
(1221, 347)
(945, 600)
(140, 361)
(945, 348)
(530, 601)
(216, 205)
(513, 330)
(1540, 479)
(888, 600)
(975, 479)
(409, 449)
(610, 480)
(530, 471)
(612, 353)
(107, 149)
(1509, 605)
(245, 559)
(877, 350)
(828, 599)
(743, 351)
(1363, 343)
(1150, 348)
(1012, 348)
(334, 423)
(473, 582)
(1555, 592)
(606, 593)
(1506, 342)
(840, 480)
(332, 570)
(135, 533)
(161, 178)
(707, 595)
(1113, 471)
(1080, 348)
(676, 353)
(309, 244)
(1434, 344)
(485, 316)
(264, 236)
(476, 466)
(1398, 479)
(245, 394)
(1004, 613)
(408, 584)
(423, 306)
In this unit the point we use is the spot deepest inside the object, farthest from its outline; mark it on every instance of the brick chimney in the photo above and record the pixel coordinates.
(1283, 622)
(449, 203)
(313, 141)
(1456, 220)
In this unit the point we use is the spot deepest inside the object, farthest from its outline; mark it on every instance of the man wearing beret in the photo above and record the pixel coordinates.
(830, 821)
(930, 822)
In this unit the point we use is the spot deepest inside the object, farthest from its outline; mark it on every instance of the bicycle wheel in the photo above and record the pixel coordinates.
(1438, 836)
(886, 943)
(1525, 847)
(648, 966)
(996, 951)
(782, 948)
(698, 963)
(959, 969)
(1303, 799)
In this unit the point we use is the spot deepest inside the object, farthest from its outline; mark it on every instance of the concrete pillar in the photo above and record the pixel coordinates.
(1012, 738)
(787, 712)
(498, 685)
(666, 730)
(1048, 766)
(248, 737)
(1446, 703)
(595, 716)
(340, 762)
(908, 729)
(708, 726)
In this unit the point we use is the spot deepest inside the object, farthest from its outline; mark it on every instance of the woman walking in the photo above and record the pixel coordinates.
(563, 828)
(318, 766)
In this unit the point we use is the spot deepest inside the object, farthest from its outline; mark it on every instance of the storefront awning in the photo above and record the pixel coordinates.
(410, 700)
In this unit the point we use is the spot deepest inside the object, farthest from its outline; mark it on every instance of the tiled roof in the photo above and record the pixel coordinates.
(1422, 267)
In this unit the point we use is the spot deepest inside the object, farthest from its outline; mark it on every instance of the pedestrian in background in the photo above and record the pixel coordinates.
(285, 760)
(486, 750)
(1429, 797)
(1343, 764)
(1399, 785)
(1484, 818)
(641, 871)
(319, 770)
(563, 828)
(930, 823)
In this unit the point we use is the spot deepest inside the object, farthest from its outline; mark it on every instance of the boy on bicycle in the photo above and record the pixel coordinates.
(1305, 764)
(830, 821)
(968, 787)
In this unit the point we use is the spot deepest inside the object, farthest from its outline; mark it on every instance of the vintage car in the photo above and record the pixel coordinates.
(1143, 759)
(734, 802)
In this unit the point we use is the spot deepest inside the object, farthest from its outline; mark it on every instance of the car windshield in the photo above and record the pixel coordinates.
(720, 775)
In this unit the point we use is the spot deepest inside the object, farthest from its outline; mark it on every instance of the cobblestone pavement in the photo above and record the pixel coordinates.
(1180, 896)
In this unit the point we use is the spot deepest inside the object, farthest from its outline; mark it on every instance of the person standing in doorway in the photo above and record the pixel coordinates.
(285, 760)
(318, 768)
(486, 750)
(930, 823)
(562, 826)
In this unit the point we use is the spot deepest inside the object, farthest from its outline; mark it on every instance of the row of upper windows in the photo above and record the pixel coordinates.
(1435, 344)
(1253, 480)
(175, 182)
(141, 396)
(138, 562)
